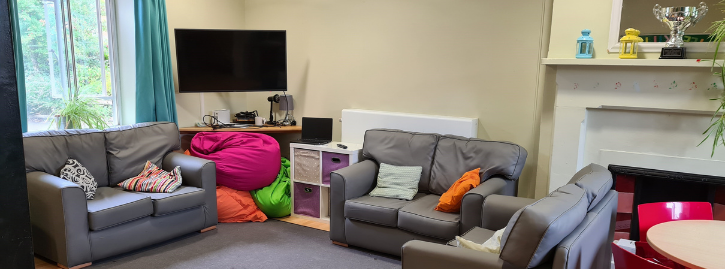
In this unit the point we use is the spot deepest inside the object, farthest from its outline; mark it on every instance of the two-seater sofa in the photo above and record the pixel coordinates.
(73, 231)
(384, 224)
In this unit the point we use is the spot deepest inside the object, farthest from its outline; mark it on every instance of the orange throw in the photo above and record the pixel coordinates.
(237, 206)
(450, 201)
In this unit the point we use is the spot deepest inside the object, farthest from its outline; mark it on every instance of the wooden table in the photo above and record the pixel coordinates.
(265, 130)
(692, 243)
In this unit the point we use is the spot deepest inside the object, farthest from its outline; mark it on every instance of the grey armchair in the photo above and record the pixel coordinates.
(384, 224)
(73, 231)
(571, 228)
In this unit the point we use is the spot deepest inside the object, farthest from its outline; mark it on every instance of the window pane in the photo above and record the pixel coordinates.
(91, 53)
(43, 58)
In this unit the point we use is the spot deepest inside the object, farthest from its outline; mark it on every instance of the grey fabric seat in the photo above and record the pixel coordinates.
(421, 217)
(113, 206)
(384, 224)
(73, 231)
(183, 198)
(376, 210)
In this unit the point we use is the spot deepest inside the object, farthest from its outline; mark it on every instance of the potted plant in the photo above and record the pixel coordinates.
(77, 112)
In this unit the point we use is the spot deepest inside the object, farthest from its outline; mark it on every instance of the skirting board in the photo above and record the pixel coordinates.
(356, 121)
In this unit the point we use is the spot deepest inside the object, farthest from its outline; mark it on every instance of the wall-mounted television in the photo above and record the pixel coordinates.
(231, 60)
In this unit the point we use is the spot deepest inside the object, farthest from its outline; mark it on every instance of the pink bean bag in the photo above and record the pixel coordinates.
(244, 161)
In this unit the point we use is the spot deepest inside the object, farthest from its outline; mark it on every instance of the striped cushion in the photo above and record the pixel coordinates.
(153, 179)
(399, 182)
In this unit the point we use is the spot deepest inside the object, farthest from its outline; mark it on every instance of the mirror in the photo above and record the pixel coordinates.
(638, 14)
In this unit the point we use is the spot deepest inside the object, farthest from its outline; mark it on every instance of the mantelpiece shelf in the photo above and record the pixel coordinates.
(628, 62)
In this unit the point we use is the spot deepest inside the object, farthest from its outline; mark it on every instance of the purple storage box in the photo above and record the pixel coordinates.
(332, 162)
(307, 200)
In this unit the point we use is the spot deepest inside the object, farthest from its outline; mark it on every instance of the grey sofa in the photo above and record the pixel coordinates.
(571, 228)
(73, 231)
(384, 224)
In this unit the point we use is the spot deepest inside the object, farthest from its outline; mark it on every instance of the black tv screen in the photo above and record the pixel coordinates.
(231, 60)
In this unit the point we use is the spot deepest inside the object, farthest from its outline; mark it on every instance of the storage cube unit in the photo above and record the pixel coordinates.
(311, 168)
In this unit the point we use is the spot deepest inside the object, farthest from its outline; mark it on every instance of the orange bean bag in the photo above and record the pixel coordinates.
(450, 201)
(237, 206)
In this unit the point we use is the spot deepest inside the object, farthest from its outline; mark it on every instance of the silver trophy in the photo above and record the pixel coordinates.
(678, 19)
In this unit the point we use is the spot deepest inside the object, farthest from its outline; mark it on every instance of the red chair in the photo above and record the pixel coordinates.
(656, 213)
(627, 260)
(645, 251)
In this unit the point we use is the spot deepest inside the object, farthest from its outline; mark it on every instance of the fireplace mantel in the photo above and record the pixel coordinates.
(646, 113)
(629, 62)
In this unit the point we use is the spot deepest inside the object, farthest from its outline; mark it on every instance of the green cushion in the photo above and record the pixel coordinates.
(399, 182)
(274, 200)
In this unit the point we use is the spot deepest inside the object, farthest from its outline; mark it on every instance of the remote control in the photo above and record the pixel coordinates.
(341, 146)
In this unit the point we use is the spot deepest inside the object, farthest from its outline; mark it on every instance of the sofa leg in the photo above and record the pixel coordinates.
(75, 267)
(340, 244)
(207, 229)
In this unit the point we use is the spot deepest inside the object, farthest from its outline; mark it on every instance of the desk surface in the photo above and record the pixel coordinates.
(266, 130)
(692, 243)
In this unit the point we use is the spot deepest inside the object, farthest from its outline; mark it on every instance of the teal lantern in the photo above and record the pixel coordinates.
(584, 45)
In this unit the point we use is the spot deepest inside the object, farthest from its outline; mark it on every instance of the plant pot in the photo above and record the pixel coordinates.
(63, 124)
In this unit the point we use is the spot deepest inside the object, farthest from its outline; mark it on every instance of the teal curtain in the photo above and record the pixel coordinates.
(155, 95)
(19, 67)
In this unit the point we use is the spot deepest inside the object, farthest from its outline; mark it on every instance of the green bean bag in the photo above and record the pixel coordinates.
(274, 200)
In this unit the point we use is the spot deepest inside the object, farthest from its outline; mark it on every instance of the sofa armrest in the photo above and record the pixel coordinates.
(422, 255)
(200, 173)
(473, 200)
(498, 210)
(345, 184)
(59, 216)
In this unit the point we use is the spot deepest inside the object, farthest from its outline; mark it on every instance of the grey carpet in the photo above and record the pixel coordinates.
(271, 244)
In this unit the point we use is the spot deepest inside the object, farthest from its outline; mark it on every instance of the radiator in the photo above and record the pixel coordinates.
(356, 121)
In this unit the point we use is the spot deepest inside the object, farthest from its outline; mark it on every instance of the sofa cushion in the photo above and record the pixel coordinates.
(421, 217)
(154, 179)
(75, 172)
(402, 148)
(534, 231)
(457, 155)
(376, 210)
(183, 198)
(129, 147)
(397, 182)
(49, 150)
(113, 206)
(595, 180)
(477, 234)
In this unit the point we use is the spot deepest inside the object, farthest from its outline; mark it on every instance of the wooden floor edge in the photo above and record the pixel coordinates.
(75, 267)
(339, 244)
(208, 229)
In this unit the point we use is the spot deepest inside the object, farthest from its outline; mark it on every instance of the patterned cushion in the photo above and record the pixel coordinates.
(399, 182)
(153, 179)
(74, 172)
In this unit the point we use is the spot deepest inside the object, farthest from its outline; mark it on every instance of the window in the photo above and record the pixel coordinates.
(67, 54)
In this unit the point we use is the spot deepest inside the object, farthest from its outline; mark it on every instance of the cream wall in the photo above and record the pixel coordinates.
(208, 14)
(444, 57)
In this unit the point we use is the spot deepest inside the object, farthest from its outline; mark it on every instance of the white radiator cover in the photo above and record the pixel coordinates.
(356, 121)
